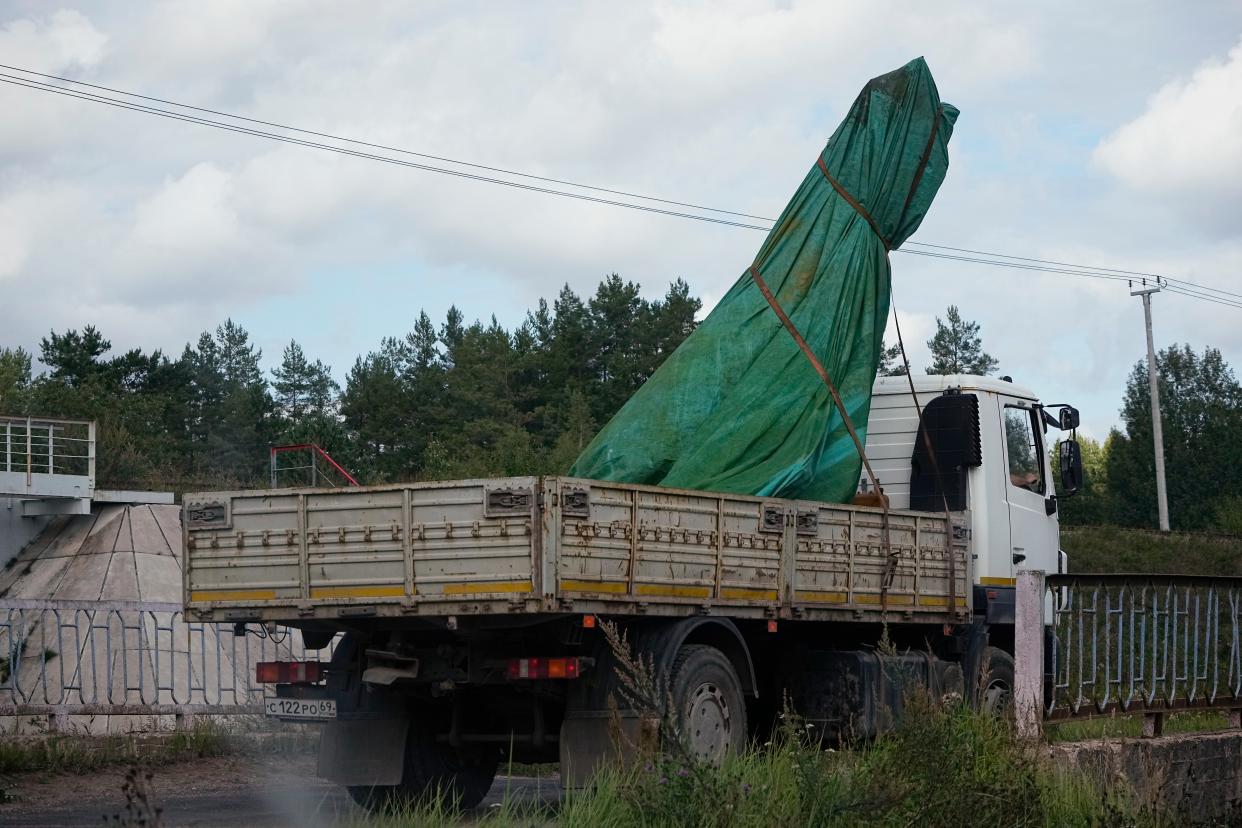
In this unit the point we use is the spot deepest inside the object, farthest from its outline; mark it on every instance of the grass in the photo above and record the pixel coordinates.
(73, 753)
(1131, 726)
(940, 766)
(1103, 549)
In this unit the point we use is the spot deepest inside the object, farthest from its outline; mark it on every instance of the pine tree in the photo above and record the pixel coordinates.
(619, 325)
(74, 357)
(303, 388)
(373, 406)
(891, 363)
(238, 358)
(673, 318)
(230, 419)
(14, 379)
(956, 347)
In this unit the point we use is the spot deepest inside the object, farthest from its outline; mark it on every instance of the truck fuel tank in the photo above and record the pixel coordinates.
(856, 694)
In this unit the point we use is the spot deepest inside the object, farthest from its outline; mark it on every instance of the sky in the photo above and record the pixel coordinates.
(1103, 133)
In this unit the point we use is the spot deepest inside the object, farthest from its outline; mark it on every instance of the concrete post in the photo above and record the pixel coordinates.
(58, 721)
(1028, 654)
(1157, 429)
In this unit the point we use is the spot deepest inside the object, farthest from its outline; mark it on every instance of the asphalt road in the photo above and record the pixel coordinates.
(211, 793)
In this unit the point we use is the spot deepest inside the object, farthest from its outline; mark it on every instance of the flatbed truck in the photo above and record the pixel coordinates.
(471, 610)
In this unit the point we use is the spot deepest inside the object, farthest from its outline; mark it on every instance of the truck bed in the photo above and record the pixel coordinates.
(560, 544)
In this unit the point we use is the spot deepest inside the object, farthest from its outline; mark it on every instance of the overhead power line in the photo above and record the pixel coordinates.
(87, 96)
(372, 145)
(1134, 273)
(27, 80)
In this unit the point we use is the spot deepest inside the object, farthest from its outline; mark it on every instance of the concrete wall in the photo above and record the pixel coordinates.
(1195, 777)
(15, 530)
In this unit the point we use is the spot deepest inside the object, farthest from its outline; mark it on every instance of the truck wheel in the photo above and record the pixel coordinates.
(433, 768)
(996, 682)
(709, 709)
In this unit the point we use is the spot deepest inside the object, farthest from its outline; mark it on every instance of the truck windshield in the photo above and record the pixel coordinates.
(1025, 468)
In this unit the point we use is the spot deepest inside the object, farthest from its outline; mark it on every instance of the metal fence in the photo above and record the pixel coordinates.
(128, 658)
(48, 446)
(1094, 645)
(42, 457)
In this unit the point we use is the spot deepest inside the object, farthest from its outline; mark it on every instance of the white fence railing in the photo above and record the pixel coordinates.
(43, 457)
(1099, 645)
(89, 658)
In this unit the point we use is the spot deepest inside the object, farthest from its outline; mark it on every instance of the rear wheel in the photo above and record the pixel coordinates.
(996, 682)
(708, 706)
(432, 768)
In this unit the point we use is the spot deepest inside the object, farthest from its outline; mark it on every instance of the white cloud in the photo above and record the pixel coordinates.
(32, 214)
(192, 214)
(64, 40)
(154, 230)
(1186, 146)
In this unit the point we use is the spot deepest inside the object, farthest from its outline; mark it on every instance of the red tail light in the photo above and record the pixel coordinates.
(288, 672)
(544, 668)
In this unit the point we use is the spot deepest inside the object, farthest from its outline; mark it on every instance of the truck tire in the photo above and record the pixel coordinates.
(996, 682)
(433, 768)
(709, 709)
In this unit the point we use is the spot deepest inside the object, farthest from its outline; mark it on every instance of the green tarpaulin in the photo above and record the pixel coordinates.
(738, 407)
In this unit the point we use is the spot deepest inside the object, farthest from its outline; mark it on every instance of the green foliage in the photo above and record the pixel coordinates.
(1131, 726)
(68, 753)
(1092, 503)
(305, 397)
(1201, 403)
(14, 379)
(303, 388)
(1093, 549)
(463, 399)
(72, 357)
(1229, 515)
(474, 399)
(942, 765)
(956, 347)
(891, 362)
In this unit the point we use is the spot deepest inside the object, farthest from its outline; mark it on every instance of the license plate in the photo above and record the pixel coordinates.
(314, 709)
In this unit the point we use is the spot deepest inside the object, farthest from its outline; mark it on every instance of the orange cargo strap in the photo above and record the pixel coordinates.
(819, 369)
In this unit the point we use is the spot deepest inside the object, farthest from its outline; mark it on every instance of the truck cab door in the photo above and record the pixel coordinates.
(1028, 490)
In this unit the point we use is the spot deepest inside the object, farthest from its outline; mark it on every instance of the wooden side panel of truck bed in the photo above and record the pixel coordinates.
(557, 544)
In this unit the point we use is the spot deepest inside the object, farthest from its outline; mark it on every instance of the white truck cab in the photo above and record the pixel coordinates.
(991, 461)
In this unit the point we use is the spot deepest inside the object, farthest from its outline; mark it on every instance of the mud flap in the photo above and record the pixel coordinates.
(363, 751)
(593, 738)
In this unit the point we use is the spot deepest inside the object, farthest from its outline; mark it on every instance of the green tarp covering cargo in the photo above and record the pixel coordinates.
(738, 407)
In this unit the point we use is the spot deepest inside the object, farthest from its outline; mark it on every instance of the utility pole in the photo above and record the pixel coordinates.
(1157, 428)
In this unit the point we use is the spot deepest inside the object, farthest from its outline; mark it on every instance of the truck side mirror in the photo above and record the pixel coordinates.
(1068, 418)
(1070, 456)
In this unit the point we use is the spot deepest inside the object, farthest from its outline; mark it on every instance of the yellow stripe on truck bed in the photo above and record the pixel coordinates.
(233, 595)
(938, 601)
(749, 593)
(675, 591)
(998, 581)
(486, 587)
(614, 587)
(824, 597)
(396, 591)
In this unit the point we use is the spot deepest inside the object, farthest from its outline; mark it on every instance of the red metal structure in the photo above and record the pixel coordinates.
(315, 475)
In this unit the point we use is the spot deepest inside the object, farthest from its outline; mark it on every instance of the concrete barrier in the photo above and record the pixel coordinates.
(1194, 777)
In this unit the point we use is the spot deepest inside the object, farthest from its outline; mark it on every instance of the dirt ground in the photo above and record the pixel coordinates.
(266, 792)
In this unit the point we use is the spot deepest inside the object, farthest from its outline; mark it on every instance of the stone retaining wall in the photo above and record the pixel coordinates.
(1196, 777)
